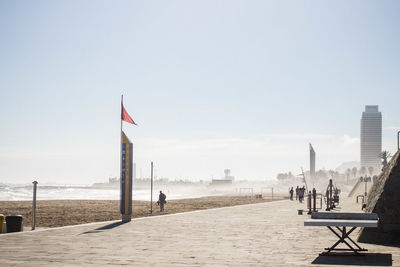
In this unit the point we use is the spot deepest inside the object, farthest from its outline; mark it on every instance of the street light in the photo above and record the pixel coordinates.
(398, 136)
(366, 180)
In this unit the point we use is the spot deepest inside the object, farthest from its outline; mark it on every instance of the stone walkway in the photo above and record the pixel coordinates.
(266, 234)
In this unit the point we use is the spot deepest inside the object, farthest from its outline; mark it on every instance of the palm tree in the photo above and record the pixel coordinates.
(385, 155)
(348, 172)
(363, 170)
(370, 170)
(354, 172)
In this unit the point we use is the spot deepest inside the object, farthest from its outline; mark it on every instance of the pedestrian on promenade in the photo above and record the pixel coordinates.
(301, 194)
(161, 200)
(291, 193)
(297, 192)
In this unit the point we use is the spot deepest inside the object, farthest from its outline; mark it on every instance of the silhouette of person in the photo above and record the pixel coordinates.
(301, 194)
(161, 200)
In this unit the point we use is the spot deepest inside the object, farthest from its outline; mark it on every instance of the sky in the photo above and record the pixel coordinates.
(244, 85)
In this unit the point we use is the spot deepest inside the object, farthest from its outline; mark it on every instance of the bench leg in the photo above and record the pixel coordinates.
(359, 248)
(344, 235)
(337, 243)
(347, 235)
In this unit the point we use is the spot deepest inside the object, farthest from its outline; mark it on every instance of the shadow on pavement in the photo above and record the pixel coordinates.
(367, 259)
(105, 227)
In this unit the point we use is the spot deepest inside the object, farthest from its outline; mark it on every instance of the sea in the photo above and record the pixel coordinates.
(11, 192)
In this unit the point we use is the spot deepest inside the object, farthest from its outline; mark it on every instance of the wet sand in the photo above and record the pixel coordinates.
(55, 213)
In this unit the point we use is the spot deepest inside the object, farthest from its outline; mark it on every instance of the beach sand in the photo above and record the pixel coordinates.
(54, 213)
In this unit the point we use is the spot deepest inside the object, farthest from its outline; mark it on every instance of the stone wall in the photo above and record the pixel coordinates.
(384, 199)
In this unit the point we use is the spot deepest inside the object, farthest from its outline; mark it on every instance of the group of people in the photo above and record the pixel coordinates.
(299, 193)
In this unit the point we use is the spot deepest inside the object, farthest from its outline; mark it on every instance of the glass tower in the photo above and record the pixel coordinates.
(371, 138)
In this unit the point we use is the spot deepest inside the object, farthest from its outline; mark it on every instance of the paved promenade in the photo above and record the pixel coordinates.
(266, 234)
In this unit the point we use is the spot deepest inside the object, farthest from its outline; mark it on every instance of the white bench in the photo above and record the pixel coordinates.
(340, 221)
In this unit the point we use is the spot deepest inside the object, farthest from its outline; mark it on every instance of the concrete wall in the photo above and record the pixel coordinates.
(384, 199)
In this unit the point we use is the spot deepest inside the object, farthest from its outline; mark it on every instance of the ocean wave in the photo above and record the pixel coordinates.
(25, 192)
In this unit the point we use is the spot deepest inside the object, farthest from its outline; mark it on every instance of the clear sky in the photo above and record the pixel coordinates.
(243, 85)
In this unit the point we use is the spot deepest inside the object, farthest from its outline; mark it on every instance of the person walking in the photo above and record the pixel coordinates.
(297, 192)
(291, 193)
(301, 194)
(161, 200)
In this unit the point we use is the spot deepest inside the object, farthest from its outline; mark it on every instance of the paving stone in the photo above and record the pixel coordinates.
(265, 234)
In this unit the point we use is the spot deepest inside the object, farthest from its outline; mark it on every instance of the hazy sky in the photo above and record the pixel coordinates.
(243, 85)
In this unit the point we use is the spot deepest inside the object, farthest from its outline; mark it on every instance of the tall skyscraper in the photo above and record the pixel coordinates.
(312, 163)
(371, 138)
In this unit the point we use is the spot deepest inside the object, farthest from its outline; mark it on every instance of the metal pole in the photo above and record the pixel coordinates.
(398, 136)
(120, 143)
(330, 194)
(34, 205)
(120, 161)
(314, 196)
(151, 190)
(320, 202)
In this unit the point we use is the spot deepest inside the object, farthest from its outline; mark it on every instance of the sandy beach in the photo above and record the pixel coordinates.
(55, 213)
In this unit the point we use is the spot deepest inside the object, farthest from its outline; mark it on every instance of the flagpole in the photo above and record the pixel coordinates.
(120, 156)
(126, 167)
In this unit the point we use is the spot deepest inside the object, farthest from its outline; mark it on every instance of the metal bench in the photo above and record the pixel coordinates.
(340, 221)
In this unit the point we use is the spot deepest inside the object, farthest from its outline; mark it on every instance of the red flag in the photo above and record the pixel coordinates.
(125, 116)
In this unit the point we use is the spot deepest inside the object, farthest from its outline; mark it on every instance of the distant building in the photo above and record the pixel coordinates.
(227, 180)
(371, 138)
(220, 182)
(228, 175)
(312, 162)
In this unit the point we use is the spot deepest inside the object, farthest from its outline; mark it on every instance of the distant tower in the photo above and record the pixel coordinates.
(228, 175)
(371, 138)
(312, 162)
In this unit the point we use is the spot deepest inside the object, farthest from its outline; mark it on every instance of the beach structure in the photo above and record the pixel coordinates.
(371, 138)
(383, 199)
(126, 170)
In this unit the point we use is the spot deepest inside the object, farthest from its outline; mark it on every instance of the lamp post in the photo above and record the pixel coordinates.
(398, 136)
(365, 181)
